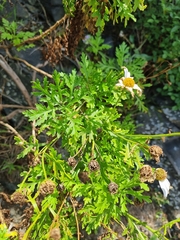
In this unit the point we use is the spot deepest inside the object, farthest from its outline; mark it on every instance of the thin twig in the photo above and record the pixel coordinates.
(1, 218)
(33, 67)
(11, 99)
(56, 217)
(163, 71)
(75, 215)
(15, 106)
(34, 131)
(42, 35)
(44, 11)
(12, 130)
(16, 79)
(39, 37)
(11, 115)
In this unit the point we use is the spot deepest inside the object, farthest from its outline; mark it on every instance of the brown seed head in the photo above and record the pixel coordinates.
(94, 166)
(83, 176)
(18, 198)
(155, 152)
(113, 188)
(146, 174)
(55, 234)
(72, 161)
(47, 187)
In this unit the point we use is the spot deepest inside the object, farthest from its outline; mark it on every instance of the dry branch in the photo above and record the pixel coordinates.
(16, 79)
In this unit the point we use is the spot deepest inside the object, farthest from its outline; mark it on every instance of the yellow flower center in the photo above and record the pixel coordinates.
(161, 174)
(129, 82)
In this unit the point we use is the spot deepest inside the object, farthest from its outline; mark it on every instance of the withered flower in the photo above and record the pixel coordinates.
(155, 152)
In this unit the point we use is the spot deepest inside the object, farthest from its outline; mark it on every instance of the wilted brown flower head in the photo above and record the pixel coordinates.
(113, 188)
(155, 152)
(47, 187)
(18, 198)
(72, 161)
(55, 234)
(83, 176)
(146, 174)
(94, 165)
(161, 174)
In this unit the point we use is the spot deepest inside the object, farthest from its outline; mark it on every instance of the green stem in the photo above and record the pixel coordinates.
(156, 232)
(140, 223)
(24, 180)
(154, 135)
(43, 166)
(146, 136)
(129, 140)
(25, 237)
(169, 224)
(43, 153)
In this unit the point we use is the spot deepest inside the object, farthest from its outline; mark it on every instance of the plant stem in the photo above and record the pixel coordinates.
(154, 135)
(156, 232)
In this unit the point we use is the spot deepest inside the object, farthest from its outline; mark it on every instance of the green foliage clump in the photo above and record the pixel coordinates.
(2, 5)
(90, 158)
(5, 234)
(103, 11)
(9, 31)
(156, 36)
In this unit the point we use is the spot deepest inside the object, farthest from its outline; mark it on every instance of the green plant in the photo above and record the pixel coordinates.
(155, 35)
(104, 11)
(9, 31)
(2, 5)
(5, 234)
(87, 173)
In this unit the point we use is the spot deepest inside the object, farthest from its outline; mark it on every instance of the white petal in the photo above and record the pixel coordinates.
(165, 186)
(120, 83)
(130, 89)
(138, 89)
(126, 73)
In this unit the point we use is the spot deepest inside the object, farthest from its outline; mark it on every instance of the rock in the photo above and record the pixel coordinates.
(157, 122)
(171, 148)
(13, 11)
(54, 8)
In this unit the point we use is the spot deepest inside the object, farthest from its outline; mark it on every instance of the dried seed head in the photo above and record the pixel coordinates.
(113, 188)
(155, 152)
(55, 234)
(83, 176)
(161, 174)
(32, 160)
(94, 165)
(146, 174)
(18, 198)
(72, 161)
(47, 187)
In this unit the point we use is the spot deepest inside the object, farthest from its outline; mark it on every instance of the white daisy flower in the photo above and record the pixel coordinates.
(161, 176)
(128, 82)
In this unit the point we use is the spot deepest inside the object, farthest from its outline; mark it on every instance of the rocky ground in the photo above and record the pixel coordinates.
(160, 119)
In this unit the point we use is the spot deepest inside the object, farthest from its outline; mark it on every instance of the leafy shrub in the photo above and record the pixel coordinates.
(9, 31)
(104, 11)
(87, 172)
(156, 36)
